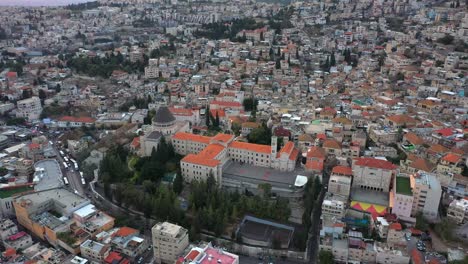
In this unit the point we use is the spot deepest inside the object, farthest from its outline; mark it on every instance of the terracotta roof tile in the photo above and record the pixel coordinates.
(452, 158)
(196, 159)
(191, 137)
(375, 163)
(345, 170)
(316, 152)
(251, 147)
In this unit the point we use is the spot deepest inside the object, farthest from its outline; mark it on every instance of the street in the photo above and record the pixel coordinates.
(72, 175)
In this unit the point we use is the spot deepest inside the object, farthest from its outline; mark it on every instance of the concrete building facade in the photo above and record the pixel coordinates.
(169, 242)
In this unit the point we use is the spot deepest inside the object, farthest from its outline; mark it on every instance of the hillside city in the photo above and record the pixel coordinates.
(234, 132)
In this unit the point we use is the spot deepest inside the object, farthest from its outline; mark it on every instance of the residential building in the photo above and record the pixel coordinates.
(94, 251)
(247, 127)
(401, 197)
(340, 180)
(315, 159)
(74, 122)
(18, 241)
(426, 194)
(457, 211)
(169, 242)
(334, 205)
(128, 242)
(7, 229)
(450, 163)
(29, 109)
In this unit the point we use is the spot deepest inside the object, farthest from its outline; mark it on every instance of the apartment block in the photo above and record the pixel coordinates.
(458, 211)
(169, 241)
(94, 251)
(29, 109)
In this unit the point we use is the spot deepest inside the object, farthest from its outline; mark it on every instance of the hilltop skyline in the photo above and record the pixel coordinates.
(41, 2)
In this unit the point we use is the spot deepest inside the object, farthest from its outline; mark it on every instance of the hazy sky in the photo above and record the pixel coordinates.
(40, 2)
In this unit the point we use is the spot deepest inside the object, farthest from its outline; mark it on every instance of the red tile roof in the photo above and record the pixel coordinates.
(294, 154)
(395, 226)
(226, 104)
(413, 139)
(181, 111)
(251, 147)
(191, 137)
(211, 151)
(11, 75)
(220, 112)
(136, 142)
(83, 119)
(316, 152)
(223, 137)
(196, 159)
(375, 163)
(287, 148)
(331, 143)
(416, 257)
(445, 132)
(126, 231)
(452, 158)
(345, 170)
(401, 119)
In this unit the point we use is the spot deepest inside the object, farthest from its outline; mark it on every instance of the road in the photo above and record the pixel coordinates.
(72, 175)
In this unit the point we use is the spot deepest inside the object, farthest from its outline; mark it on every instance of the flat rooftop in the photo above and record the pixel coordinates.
(48, 175)
(94, 246)
(167, 229)
(64, 200)
(217, 256)
(257, 175)
(403, 185)
(370, 196)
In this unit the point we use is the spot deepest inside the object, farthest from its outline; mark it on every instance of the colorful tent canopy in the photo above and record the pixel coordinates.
(373, 209)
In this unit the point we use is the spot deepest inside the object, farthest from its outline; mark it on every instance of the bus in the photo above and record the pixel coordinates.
(65, 180)
(65, 165)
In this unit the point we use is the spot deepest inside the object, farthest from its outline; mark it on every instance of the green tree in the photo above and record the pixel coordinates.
(332, 60)
(42, 96)
(260, 135)
(326, 257)
(178, 184)
(266, 189)
(278, 64)
(250, 104)
(217, 119)
(207, 116)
